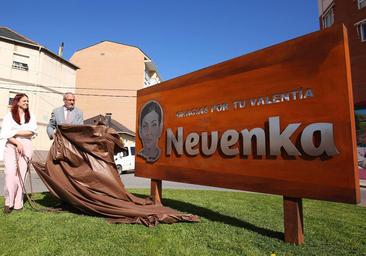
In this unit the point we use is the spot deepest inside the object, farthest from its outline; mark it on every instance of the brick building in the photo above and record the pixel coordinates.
(352, 13)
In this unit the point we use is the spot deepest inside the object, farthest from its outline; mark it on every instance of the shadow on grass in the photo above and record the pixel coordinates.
(218, 217)
(49, 201)
(52, 203)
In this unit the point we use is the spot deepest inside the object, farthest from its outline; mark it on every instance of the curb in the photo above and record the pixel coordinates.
(363, 183)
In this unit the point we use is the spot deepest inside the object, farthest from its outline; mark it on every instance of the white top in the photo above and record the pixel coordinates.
(65, 112)
(9, 128)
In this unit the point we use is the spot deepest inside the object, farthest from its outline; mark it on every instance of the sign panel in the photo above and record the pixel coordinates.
(279, 121)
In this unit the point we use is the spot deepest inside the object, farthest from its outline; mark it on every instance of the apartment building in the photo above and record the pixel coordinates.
(109, 76)
(28, 67)
(352, 13)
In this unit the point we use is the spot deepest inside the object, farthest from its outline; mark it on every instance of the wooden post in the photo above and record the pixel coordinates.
(293, 220)
(155, 191)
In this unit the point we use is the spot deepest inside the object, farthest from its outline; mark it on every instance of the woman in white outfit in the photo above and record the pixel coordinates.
(17, 129)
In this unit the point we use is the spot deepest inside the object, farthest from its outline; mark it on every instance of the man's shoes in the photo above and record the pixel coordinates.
(7, 209)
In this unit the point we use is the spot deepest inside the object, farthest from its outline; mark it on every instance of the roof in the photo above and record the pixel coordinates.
(120, 128)
(130, 45)
(148, 60)
(6, 34)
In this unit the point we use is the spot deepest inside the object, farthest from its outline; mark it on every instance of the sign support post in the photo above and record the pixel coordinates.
(293, 220)
(155, 191)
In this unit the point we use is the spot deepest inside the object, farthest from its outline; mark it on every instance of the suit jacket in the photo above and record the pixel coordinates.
(58, 117)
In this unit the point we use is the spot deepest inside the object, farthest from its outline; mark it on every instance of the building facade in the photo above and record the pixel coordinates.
(352, 13)
(28, 67)
(109, 76)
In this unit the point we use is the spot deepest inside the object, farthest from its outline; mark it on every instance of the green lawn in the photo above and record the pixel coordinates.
(232, 223)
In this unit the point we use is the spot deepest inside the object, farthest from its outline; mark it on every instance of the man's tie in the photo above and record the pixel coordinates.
(68, 117)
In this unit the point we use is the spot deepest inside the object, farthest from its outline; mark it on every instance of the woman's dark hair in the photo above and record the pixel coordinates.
(150, 107)
(14, 109)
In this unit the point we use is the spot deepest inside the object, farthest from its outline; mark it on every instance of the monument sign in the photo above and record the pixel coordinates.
(278, 121)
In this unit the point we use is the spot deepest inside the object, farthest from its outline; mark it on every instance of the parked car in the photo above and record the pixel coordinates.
(125, 160)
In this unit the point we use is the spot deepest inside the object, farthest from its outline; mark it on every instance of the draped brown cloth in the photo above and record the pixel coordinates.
(80, 171)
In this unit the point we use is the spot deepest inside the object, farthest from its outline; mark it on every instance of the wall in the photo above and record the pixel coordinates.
(347, 12)
(323, 5)
(112, 66)
(45, 82)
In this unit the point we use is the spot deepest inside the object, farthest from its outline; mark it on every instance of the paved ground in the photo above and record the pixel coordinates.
(130, 181)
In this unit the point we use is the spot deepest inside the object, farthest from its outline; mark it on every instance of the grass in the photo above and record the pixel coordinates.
(232, 223)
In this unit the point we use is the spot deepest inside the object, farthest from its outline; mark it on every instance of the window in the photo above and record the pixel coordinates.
(10, 101)
(361, 3)
(11, 97)
(328, 18)
(125, 152)
(362, 28)
(20, 66)
(20, 62)
(133, 151)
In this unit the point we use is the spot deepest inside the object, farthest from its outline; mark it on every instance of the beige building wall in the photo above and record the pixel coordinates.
(109, 65)
(44, 82)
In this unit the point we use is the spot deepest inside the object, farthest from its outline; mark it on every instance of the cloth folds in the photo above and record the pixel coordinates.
(80, 171)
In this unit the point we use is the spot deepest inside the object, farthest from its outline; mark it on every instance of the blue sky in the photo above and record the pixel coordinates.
(180, 36)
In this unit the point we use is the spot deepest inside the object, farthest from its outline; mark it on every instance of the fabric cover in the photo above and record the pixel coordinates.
(80, 171)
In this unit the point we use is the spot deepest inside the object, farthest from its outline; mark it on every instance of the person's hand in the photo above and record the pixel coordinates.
(20, 149)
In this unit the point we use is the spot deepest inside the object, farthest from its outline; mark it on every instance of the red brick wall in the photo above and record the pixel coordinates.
(347, 12)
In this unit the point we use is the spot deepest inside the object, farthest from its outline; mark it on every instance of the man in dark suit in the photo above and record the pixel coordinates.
(67, 114)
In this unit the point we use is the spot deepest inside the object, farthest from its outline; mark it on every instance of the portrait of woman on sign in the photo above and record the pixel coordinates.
(150, 129)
